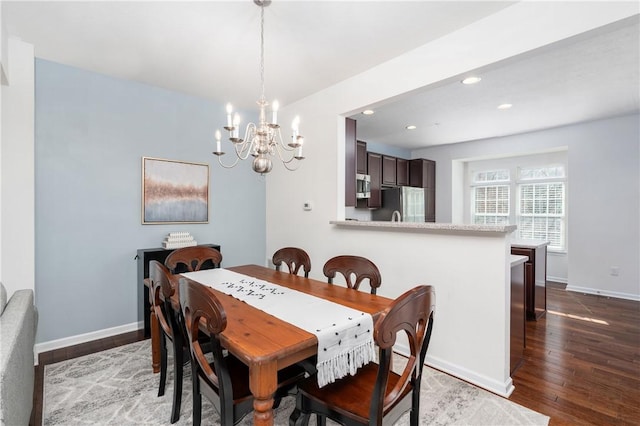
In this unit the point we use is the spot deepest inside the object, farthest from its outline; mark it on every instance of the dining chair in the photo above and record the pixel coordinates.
(170, 330)
(225, 381)
(350, 266)
(194, 258)
(295, 258)
(376, 393)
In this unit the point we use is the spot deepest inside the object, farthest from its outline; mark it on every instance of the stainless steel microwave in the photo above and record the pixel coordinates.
(363, 186)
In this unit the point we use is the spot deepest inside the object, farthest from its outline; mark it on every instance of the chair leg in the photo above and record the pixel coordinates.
(415, 405)
(163, 363)
(298, 418)
(178, 355)
(197, 397)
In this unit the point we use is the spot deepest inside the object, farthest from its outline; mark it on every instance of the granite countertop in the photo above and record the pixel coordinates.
(425, 226)
(533, 244)
(516, 260)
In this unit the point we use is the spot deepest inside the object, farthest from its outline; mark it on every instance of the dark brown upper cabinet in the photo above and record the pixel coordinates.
(350, 163)
(361, 157)
(388, 170)
(402, 172)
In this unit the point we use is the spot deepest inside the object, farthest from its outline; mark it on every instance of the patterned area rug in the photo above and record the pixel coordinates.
(117, 387)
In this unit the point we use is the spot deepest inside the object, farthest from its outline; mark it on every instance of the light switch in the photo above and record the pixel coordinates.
(307, 206)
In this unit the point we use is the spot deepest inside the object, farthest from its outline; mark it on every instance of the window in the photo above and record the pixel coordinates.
(527, 191)
(491, 195)
(541, 211)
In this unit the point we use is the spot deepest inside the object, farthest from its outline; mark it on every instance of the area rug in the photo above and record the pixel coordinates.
(117, 387)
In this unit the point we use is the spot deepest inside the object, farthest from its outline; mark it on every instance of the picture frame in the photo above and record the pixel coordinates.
(174, 191)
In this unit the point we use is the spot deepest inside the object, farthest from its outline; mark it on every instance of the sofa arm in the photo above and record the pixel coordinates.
(18, 325)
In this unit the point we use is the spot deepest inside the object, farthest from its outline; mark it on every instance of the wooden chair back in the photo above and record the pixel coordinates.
(159, 284)
(195, 258)
(411, 314)
(377, 394)
(197, 304)
(353, 266)
(295, 258)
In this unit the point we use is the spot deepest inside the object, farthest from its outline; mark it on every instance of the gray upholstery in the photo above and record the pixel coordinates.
(18, 324)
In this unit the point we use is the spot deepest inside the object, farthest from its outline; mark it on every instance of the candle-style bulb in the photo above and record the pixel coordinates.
(229, 111)
(274, 110)
(295, 125)
(218, 136)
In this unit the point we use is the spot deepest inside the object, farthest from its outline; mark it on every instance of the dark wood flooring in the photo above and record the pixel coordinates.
(582, 361)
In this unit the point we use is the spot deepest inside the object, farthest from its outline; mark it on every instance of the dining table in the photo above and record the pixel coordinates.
(265, 343)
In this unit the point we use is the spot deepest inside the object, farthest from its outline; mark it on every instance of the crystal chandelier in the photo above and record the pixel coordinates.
(264, 140)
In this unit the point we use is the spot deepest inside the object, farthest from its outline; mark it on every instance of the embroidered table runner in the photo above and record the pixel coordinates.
(345, 335)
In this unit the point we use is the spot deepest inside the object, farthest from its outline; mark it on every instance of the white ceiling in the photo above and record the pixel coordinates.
(211, 49)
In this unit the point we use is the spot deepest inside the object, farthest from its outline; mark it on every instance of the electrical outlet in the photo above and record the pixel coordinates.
(614, 271)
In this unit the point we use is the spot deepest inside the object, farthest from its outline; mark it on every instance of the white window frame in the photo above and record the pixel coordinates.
(514, 164)
(497, 217)
(557, 243)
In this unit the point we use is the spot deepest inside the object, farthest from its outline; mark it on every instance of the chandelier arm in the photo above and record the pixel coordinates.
(289, 161)
(282, 143)
(243, 149)
(225, 166)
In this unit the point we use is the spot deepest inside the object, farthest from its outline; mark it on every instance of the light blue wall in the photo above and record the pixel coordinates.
(91, 133)
(393, 151)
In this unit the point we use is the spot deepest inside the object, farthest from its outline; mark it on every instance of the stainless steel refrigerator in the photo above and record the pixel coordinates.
(406, 200)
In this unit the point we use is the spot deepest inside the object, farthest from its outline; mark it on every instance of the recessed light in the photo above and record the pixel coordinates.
(471, 80)
(368, 111)
(411, 127)
(504, 106)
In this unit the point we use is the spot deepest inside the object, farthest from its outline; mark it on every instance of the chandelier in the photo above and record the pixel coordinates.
(263, 140)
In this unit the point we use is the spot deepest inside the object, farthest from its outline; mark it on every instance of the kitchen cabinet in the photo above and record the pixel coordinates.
(535, 275)
(374, 169)
(388, 170)
(350, 163)
(361, 157)
(402, 172)
(422, 174)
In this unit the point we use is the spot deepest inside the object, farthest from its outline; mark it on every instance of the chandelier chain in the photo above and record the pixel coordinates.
(262, 51)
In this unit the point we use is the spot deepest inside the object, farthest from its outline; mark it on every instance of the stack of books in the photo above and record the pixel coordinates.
(178, 240)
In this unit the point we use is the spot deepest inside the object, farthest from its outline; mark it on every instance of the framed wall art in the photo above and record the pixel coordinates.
(174, 191)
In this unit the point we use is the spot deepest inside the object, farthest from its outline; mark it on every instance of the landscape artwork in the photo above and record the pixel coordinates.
(174, 191)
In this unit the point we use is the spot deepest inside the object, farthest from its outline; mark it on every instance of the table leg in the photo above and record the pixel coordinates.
(263, 382)
(155, 342)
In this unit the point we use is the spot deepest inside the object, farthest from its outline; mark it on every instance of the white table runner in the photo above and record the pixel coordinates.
(345, 335)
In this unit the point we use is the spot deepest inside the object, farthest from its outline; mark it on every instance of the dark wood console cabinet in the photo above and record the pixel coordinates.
(144, 257)
(535, 271)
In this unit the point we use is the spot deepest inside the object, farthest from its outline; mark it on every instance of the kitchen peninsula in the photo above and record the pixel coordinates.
(470, 268)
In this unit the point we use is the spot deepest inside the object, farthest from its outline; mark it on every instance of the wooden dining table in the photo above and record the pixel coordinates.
(265, 343)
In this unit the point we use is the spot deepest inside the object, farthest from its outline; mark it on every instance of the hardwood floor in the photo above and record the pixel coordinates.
(582, 361)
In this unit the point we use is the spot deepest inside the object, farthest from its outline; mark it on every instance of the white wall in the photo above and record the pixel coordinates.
(514, 30)
(602, 197)
(17, 170)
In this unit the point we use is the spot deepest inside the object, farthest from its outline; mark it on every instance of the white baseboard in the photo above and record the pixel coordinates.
(499, 388)
(596, 291)
(87, 337)
(562, 280)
